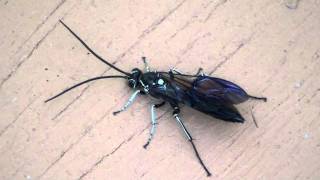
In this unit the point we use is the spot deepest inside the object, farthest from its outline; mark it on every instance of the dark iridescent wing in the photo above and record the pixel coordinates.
(212, 88)
(181, 88)
(217, 89)
(215, 108)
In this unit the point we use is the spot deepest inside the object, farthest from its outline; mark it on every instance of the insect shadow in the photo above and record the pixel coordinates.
(213, 96)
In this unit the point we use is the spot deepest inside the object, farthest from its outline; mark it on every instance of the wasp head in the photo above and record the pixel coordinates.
(135, 77)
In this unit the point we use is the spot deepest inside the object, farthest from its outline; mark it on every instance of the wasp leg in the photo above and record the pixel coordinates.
(128, 103)
(153, 128)
(200, 72)
(175, 70)
(160, 104)
(258, 98)
(189, 137)
(153, 123)
(146, 66)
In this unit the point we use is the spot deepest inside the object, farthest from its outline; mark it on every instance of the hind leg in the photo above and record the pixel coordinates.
(258, 98)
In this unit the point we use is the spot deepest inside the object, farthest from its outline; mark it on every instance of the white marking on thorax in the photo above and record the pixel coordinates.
(160, 81)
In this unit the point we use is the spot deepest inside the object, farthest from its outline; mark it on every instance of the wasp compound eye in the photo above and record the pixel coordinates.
(132, 83)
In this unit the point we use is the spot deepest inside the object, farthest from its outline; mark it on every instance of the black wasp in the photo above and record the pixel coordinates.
(213, 96)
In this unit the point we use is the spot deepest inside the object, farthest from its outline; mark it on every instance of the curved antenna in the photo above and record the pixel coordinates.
(83, 82)
(89, 49)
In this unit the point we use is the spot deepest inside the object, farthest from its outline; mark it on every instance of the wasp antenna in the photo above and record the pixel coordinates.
(81, 83)
(92, 52)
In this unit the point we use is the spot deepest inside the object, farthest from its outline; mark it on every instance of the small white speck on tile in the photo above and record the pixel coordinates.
(306, 136)
(292, 4)
(14, 99)
(298, 85)
(28, 177)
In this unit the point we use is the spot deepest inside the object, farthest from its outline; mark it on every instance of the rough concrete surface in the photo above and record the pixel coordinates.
(271, 48)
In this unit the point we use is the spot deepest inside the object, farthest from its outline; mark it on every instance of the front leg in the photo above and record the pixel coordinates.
(128, 103)
(146, 66)
(176, 113)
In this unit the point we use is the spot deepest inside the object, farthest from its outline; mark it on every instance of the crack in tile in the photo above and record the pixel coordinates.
(219, 4)
(24, 59)
(18, 117)
(69, 104)
(137, 133)
(155, 24)
(84, 134)
(97, 163)
(236, 136)
(234, 160)
(192, 43)
(37, 44)
(40, 25)
(17, 171)
(86, 131)
(230, 55)
(64, 152)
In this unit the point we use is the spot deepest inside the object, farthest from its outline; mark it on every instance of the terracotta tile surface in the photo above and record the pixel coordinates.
(271, 48)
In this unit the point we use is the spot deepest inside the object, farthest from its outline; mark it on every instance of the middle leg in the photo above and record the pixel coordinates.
(199, 72)
(153, 123)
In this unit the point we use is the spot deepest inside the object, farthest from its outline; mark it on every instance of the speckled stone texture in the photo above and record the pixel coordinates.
(266, 47)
